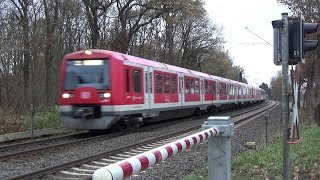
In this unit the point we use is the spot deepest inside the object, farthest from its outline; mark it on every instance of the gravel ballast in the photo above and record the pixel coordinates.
(173, 168)
(189, 161)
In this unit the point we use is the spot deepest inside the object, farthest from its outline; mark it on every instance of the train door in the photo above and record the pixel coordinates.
(223, 95)
(252, 93)
(181, 90)
(215, 95)
(149, 98)
(134, 85)
(201, 91)
(239, 93)
(228, 90)
(236, 93)
(218, 91)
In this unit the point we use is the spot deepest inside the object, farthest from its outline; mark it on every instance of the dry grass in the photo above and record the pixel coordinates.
(266, 163)
(11, 122)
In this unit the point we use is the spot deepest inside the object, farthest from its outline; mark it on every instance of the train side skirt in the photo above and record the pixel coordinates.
(104, 122)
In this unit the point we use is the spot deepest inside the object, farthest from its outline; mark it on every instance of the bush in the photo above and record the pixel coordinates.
(48, 117)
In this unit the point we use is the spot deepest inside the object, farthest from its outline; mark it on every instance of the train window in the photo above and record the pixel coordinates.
(223, 89)
(196, 86)
(136, 81)
(192, 86)
(181, 85)
(150, 81)
(128, 80)
(87, 73)
(146, 80)
(206, 87)
(159, 83)
(232, 90)
(187, 85)
(214, 86)
(174, 84)
(166, 83)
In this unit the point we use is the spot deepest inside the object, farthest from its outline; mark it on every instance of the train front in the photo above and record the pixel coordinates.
(84, 90)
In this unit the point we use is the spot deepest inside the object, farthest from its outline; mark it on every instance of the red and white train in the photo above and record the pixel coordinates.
(101, 88)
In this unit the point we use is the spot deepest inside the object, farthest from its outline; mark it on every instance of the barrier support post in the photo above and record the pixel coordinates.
(219, 148)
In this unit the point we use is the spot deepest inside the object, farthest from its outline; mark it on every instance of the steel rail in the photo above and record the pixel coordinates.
(63, 166)
(10, 151)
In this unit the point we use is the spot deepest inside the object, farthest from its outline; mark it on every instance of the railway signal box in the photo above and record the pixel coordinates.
(298, 43)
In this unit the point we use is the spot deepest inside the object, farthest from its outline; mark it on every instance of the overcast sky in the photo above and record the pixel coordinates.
(234, 16)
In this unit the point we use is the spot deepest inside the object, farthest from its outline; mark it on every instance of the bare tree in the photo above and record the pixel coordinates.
(94, 10)
(34, 35)
(22, 14)
(51, 18)
(132, 15)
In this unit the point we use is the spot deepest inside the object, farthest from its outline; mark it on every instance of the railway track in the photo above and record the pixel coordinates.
(84, 167)
(27, 149)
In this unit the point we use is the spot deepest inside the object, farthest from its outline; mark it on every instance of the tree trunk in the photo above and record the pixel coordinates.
(0, 93)
(22, 7)
(48, 54)
(316, 94)
(92, 16)
(27, 57)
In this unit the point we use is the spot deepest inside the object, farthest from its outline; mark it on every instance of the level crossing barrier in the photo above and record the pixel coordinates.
(217, 130)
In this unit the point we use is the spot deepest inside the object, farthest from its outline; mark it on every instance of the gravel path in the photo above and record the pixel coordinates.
(174, 168)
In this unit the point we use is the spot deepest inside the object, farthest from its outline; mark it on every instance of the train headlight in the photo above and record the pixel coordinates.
(88, 52)
(67, 95)
(105, 95)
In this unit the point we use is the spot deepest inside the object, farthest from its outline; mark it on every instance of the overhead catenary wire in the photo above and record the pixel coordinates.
(257, 36)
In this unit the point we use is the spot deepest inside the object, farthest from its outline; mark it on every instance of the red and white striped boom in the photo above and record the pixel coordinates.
(134, 165)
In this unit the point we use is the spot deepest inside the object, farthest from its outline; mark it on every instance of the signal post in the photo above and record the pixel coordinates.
(290, 47)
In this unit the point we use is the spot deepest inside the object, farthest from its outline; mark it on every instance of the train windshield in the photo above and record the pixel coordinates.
(87, 73)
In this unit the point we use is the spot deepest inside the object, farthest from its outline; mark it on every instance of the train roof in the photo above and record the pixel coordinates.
(167, 66)
(156, 64)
